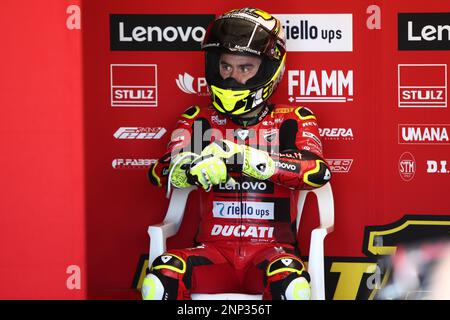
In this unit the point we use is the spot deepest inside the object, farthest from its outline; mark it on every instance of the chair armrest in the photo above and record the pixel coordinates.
(159, 233)
(316, 267)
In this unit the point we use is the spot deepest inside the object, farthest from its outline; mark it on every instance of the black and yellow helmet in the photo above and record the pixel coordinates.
(244, 31)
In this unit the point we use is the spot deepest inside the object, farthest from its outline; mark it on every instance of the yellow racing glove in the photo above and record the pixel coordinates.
(251, 161)
(177, 169)
(206, 171)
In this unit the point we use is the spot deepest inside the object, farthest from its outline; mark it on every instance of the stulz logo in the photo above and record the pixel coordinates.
(139, 133)
(407, 166)
(423, 133)
(424, 31)
(186, 84)
(434, 166)
(132, 163)
(158, 32)
(336, 133)
(320, 86)
(422, 85)
(340, 165)
(134, 85)
(317, 32)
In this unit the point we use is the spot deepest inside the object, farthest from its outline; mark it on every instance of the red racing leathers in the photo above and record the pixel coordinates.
(253, 216)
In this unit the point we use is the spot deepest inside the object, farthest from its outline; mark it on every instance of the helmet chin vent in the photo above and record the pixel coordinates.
(231, 83)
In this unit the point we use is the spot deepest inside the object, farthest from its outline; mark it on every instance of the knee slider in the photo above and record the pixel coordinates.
(298, 289)
(171, 262)
(152, 288)
(284, 264)
(159, 285)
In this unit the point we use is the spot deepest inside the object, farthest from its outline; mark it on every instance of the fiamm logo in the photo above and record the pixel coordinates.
(361, 278)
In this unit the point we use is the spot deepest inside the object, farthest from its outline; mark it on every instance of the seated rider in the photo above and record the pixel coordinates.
(249, 156)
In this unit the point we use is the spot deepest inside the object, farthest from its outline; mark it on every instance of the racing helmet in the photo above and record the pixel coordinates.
(247, 31)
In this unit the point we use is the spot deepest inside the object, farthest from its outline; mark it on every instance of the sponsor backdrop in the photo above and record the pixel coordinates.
(374, 72)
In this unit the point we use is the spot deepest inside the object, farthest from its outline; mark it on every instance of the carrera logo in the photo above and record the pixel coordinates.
(134, 85)
(422, 85)
(246, 209)
(158, 32)
(434, 166)
(423, 134)
(407, 166)
(336, 133)
(252, 186)
(242, 231)
(317, 32)
(139, 133)
(424, 31)
(334, 86)
(340, 165)
(132, 163)
(185, 83)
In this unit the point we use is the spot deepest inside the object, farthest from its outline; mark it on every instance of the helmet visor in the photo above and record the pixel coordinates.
(240, 35)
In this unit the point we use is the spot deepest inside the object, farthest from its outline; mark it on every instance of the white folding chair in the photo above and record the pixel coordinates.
(174, 216)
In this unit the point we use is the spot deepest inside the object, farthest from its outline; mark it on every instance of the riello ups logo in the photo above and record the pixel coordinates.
(158, 32)
(424, 31)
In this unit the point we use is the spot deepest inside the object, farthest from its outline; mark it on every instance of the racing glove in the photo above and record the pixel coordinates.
(250, 161)
(187, 169)
(206, 171)
(177, 169)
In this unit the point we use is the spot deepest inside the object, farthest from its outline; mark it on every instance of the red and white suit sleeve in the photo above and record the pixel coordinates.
(300, 163)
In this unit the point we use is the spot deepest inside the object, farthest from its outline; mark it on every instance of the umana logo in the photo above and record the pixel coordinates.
(423, 134)
(158, 32)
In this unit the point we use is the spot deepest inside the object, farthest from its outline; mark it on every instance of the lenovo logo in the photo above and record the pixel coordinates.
(424, 31)
(158, 32)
